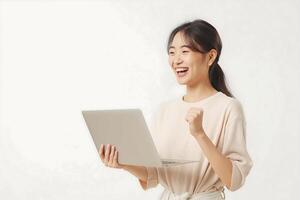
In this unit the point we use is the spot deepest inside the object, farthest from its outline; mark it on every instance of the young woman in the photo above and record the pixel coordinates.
(206, 124)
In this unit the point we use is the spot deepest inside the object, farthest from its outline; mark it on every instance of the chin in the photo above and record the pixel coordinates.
(182, 82)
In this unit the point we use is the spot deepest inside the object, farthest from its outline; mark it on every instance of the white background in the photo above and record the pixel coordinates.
(60, 57)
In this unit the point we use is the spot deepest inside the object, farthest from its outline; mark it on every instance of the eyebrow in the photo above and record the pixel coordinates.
(188, 46)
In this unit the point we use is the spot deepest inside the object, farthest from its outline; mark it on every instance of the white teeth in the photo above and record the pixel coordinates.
(181, 69)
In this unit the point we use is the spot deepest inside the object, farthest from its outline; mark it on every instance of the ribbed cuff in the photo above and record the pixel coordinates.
(237, 179)
(152, 179)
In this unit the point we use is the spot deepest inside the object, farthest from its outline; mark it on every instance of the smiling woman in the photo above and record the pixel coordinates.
(206, 124)
(215, 134)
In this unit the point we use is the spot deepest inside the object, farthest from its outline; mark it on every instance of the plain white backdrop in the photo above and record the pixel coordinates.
(60, 57)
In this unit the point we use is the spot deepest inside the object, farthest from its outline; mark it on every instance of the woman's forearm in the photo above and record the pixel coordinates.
(139, 171)
(221, 165)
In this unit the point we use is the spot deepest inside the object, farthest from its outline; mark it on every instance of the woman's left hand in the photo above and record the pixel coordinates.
(194, 117)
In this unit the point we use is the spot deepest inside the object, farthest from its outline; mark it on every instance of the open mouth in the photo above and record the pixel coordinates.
(182, 71)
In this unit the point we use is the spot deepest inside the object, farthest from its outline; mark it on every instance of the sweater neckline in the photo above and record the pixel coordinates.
(202, 101)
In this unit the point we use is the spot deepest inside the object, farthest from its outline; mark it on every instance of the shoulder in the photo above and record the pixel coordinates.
(228, 105)
(234, 107)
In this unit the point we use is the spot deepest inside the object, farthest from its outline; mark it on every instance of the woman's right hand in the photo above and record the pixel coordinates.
(109, 156)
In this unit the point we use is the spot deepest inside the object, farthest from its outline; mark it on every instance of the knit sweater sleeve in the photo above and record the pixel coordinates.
(235, 147)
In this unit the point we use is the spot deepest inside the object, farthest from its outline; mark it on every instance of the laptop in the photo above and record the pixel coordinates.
(128, 131)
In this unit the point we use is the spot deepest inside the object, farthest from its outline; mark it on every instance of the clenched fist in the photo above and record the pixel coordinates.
(194, 117)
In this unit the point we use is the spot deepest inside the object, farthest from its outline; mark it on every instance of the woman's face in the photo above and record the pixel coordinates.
(182, 58)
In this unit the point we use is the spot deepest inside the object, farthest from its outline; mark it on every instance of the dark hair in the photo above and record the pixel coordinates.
(202, 37)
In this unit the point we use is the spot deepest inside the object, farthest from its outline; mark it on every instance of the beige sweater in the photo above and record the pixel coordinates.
(223, 122)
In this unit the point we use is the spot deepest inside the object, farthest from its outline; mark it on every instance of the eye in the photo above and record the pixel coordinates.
(185, 51)
(171, 53)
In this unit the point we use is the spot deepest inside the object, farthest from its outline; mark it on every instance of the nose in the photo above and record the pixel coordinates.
(177, 59)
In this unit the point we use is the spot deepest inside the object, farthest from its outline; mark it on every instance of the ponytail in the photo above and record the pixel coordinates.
(217, 79)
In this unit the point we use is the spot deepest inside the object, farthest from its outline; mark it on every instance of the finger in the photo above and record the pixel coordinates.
(201, 114)
(188, 115)
(115, 162)
(189, 119)
(195, 115)
(191, 115)
(101, 152)
(195, 112)
(111, 156)
(107, 152)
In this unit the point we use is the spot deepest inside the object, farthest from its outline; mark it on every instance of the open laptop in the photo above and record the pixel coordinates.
(128, 131)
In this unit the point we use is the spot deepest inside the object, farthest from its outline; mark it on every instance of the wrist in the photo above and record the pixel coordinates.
(126, 167)
(200, 135)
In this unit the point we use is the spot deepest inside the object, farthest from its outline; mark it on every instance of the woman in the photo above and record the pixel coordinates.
(206, 124)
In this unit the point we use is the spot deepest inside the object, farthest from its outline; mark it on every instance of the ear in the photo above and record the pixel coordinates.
(212, 54)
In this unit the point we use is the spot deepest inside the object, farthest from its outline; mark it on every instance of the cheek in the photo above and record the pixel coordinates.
(189, 60)
(197, 63)
(197, 67)
(170, 61)
(190, 63)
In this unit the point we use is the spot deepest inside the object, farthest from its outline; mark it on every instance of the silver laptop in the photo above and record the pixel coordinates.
(128, 131)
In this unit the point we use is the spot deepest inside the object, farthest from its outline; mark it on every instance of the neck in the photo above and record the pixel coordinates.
(199, 91)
